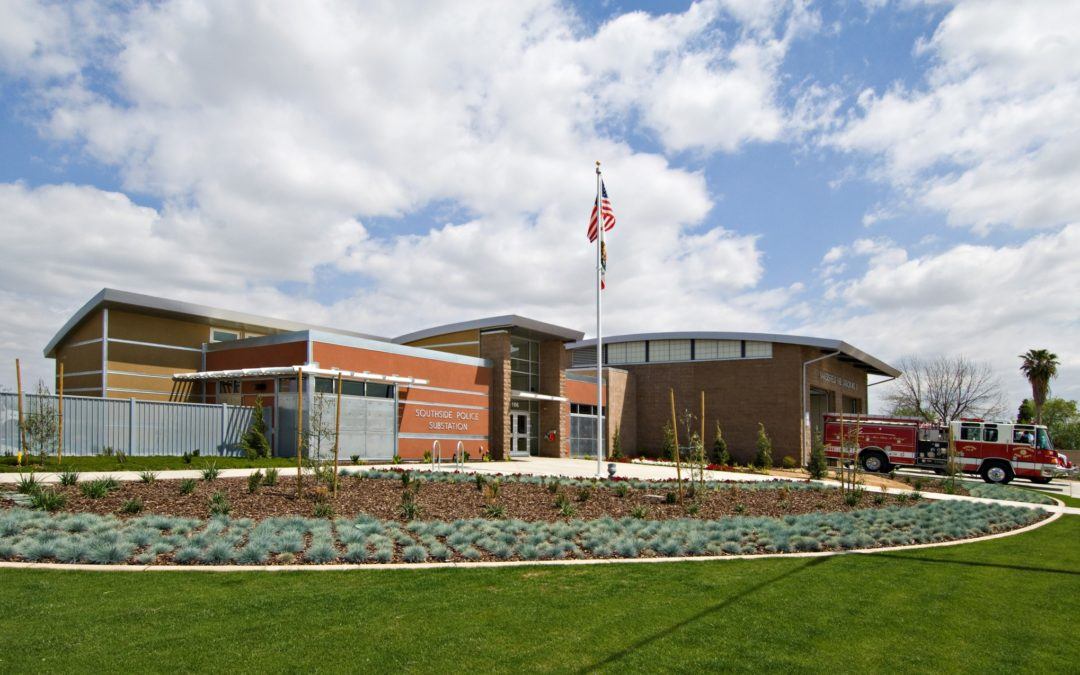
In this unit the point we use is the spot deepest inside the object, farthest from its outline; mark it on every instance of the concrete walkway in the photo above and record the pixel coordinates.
(536, 466)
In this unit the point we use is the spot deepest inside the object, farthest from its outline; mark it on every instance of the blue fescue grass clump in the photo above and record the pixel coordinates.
(40, 536)
(1007, 493)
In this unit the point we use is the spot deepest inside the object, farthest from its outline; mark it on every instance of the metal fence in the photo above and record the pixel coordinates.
(583, 436)
(93, 425)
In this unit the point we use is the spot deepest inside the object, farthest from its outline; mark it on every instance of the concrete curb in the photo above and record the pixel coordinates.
(343, 567)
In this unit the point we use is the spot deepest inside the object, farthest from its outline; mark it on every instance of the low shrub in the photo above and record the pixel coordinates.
(561, 500)
(254, 480)
(95, 489)
(480, 482)
(409, 509)
(355, 459)
(671, 497)
(28, 484)
(584, 493)
(132, 506)
(763, 457)
(219, 504)
(69, 477)
(622, 489)
(48, 499)
(187, 486)
(210, 471)
(818, 465)
(639, 512)
(788, 462)
(270, 478)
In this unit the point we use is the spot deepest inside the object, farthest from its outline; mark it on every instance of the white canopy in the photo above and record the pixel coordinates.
(280, 371)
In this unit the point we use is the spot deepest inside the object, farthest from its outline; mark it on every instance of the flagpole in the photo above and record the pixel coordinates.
(599, 333)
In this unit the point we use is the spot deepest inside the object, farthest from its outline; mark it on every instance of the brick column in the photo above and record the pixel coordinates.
(622, 414)
(554, 415)
(496, 348)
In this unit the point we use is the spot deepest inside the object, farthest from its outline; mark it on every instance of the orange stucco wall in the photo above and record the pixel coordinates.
(582, 392)
(427, 412)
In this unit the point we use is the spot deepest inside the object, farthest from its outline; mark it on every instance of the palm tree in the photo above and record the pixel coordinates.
(1039, 366)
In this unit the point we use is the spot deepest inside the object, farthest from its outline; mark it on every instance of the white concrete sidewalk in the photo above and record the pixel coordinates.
(536, 466)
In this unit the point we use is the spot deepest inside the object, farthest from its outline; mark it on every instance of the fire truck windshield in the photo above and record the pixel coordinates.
(1043, 441)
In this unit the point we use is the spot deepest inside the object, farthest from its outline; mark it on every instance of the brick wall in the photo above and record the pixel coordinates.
(739, 393)
(622, 410)
(496, 348)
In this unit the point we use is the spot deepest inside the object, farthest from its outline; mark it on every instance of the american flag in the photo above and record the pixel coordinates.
(609, 215)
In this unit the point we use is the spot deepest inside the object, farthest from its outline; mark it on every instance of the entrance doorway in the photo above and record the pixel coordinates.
(520, 427)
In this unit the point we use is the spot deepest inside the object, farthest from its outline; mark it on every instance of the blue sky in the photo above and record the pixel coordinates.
(896, 174)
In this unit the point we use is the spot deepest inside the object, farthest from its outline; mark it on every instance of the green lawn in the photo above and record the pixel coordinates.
(1067, 500)
(999, 606)
(150, 463)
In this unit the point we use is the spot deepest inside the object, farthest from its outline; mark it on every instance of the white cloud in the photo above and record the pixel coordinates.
(991, 138)
(988, 302)
(271, 132)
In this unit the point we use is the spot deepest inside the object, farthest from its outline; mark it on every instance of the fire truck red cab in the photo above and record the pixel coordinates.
(997, 451)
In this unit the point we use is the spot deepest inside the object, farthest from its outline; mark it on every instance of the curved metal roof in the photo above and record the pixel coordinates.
(874, 365)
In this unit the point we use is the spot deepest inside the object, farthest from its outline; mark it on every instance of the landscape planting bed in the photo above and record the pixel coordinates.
(447, 496)
(463, 517)
(168, 540)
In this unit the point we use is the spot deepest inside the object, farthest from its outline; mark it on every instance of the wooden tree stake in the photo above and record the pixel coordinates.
(22, 429)
(60, 418)
(299, 430)
(701, 479)
(678, 459)
(337, 433)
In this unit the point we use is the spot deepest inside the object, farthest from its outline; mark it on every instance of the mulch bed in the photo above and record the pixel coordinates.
(381, 498)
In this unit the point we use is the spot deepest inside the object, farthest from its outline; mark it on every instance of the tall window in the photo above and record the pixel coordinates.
(524, 364)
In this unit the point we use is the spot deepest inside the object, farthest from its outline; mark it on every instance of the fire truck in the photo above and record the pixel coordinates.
(997, 451)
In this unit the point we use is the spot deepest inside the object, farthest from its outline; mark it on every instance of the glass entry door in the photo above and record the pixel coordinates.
(519, 433)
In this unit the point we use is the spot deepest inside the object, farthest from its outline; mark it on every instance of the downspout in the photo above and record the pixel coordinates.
(804, 422)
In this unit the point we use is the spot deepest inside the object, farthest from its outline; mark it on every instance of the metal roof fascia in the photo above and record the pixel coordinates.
(503, 321)
(111, 297)
(821, 343)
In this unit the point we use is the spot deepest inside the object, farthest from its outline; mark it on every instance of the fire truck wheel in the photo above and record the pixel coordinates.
(874, 461)
(996, 472)
(1041, 480)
